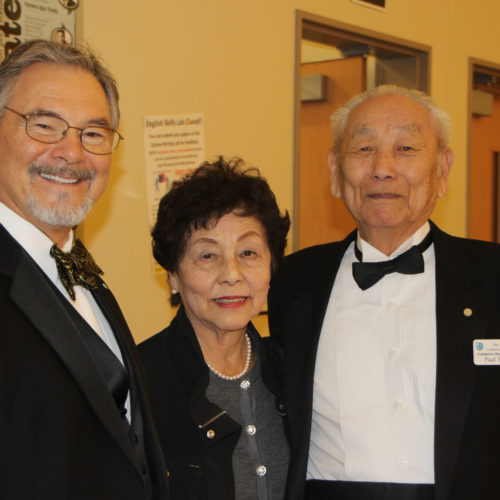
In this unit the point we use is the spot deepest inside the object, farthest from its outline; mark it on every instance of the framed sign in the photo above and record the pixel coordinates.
(374, 4)
(22, 20)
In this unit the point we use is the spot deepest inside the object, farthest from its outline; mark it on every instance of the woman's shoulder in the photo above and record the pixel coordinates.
(174, 350)
(154, 344)
(163, 340)
(168, 363)
(155, 356)
(272, 348)
(268, 346)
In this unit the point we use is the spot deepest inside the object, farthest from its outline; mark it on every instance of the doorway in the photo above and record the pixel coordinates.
(484, 151)
(335, 61)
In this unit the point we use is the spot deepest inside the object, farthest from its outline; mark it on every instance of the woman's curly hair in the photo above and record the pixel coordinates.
(201, 198)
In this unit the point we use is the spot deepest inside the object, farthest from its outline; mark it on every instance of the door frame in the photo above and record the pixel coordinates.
(474, 64)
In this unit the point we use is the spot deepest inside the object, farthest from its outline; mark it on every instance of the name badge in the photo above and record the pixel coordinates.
(486, 351)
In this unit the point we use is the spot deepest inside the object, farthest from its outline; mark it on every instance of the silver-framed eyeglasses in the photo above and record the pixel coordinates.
(47, 128)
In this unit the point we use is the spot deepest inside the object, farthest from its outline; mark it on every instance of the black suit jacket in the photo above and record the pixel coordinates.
(467, 409)
(61, 434)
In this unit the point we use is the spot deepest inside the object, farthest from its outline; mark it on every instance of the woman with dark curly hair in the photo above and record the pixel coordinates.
(215, 383)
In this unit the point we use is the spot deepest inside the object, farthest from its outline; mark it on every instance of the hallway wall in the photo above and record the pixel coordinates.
(235, 63)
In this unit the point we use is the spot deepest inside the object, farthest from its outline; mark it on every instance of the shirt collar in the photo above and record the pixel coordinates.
(36, 243)
(371, 254)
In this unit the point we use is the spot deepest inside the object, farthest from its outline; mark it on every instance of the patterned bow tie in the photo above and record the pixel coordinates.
(366, 274)
(76, 268)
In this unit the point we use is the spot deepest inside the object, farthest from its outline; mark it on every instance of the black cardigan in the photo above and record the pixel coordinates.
(199, 467)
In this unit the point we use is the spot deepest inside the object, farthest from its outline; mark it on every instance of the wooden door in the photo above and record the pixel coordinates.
(321, 217)
(483, 184)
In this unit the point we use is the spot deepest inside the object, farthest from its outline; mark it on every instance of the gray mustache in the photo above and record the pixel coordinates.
(62, 171)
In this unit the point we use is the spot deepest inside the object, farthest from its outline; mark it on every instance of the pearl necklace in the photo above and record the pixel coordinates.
(245, 368)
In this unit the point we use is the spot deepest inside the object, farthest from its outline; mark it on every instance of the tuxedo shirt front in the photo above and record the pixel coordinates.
(374, 380)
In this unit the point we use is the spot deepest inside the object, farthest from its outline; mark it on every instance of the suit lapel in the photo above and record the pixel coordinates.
(41, 304)
(310, 304)
(144, 428)
(459, 322)
(303, 330)
(111, 310)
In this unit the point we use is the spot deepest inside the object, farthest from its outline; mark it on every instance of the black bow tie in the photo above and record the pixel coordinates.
(76, 268)
(367, 274)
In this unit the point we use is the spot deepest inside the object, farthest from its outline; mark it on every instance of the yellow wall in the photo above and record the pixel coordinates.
(234, 61)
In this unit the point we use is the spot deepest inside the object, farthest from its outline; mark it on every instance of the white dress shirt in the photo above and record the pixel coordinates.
(37, 244)
(374, 381)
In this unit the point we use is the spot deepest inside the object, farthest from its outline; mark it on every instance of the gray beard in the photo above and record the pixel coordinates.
(60, 214)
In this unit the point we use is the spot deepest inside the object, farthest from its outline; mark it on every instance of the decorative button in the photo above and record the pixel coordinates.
(280, 408)
(467, 312)
(251, 430)
(398, 405)
(261, 470)
(210, 434)
(394, 353)
(245, 384)
(391, 305)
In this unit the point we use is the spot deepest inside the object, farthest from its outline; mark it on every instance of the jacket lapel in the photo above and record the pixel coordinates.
(204, 414)
(309, 305)
(312, 288)
(107, 302)
(459, 321)
(40, 303)
(147, 442)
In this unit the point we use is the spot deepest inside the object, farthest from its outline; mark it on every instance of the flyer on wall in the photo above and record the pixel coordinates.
(23, 20)
(174, 145)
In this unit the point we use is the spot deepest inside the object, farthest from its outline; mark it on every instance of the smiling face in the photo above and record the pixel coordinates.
(53, 186)
(223, 276)
(390, 170)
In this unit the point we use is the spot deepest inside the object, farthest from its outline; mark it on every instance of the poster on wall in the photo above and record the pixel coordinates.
(174, 146)
(22, 20)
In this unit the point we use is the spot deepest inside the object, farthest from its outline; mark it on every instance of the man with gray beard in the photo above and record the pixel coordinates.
(74, 417)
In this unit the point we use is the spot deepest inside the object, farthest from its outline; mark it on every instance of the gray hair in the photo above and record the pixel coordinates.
(341, 116)
(47, 52)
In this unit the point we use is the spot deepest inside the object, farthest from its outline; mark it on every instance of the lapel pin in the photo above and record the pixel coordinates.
(467, 312)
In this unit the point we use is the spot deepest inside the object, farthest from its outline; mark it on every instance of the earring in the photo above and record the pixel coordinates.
(173, 291)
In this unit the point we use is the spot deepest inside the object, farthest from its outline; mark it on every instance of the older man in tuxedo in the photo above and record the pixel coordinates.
(391, 376)
(74, 419)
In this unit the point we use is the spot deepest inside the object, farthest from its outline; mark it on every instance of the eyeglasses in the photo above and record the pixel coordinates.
(50, 129)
